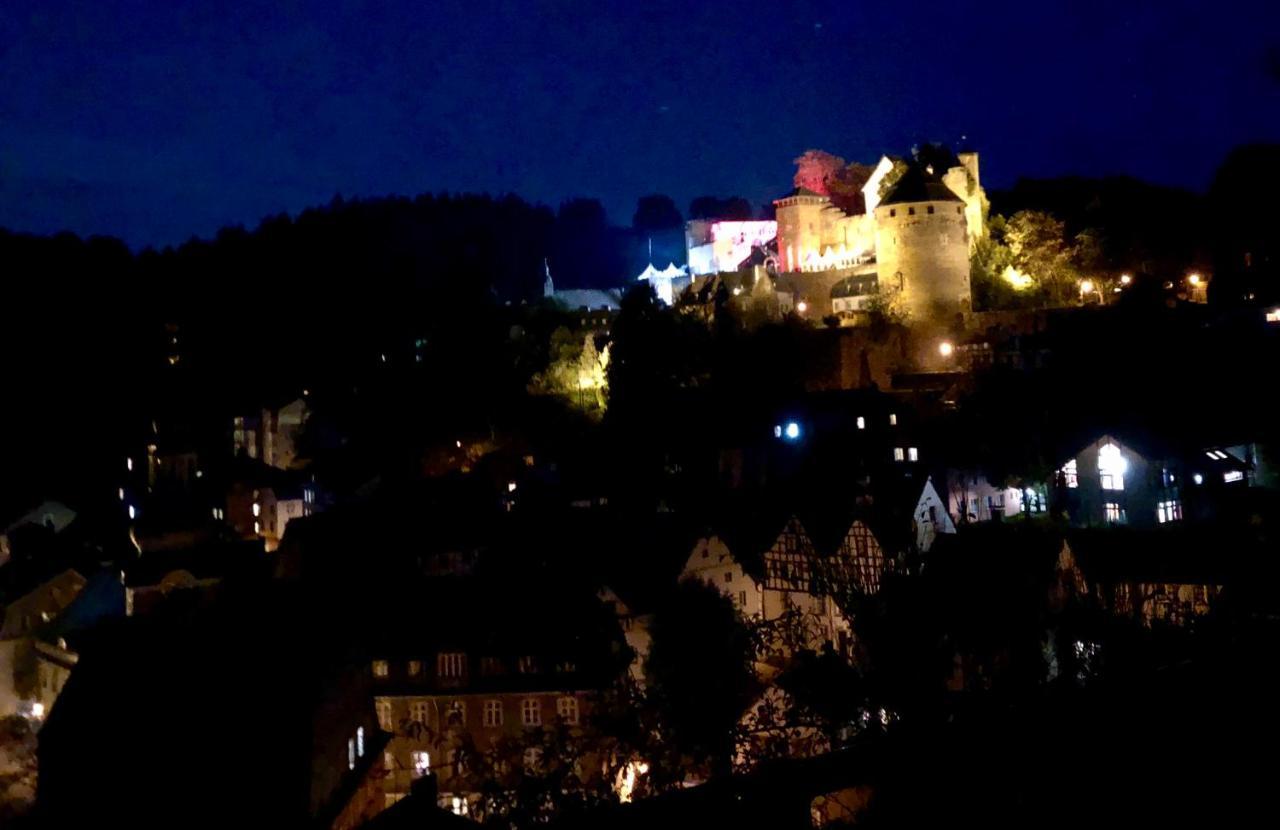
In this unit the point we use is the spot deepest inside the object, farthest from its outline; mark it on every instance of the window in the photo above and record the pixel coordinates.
(1111, 467)
(933, 514)
(531, 712)
(1167, 478)
(257, 527)
(742, 599)
(929, 209)
(360, 741)
(862, 422)
(457, 715)
(893, 212)
(380, 668)
(383, 710)
(451, 664)
(893, 419)
(567, 710)
(418, 711)
(1070, 474)
(491, 666)
(493, 713)
(1169, 511)
(388, 760)
(973, 506)
(1233, 475)
(415, 668)
(728, 576)
(257, 509)
(898, 454)
(527, 665)
(351, 753)
(913, 454)
(911, 211)
(421, 760)
(1114, 513)
(959, 210)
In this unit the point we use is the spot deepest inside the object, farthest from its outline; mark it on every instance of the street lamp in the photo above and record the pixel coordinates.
(802, 306)
(945, 348)
(1194, 279)
(1125, 279)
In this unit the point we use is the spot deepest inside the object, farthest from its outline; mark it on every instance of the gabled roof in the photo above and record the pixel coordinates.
(916, 185)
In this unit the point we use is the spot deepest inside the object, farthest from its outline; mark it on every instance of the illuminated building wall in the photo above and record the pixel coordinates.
(922, 250)
(722, 246)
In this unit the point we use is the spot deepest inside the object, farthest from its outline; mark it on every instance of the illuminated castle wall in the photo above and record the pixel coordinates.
(918, 233)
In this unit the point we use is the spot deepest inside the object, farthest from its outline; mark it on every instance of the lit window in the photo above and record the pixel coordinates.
(257, 529)
(728, 576)
(457, 715)
(128, 464)
(257, 509)
(862, 422)
(451, 664)
(383, 710)
(415, 668)
(1198, 479)
(898, 454)
(1111, 467)
(893, 419)
(360, 741)
(777, 431)
(531, 712)
(493, 713)
(1070, 474)
(567, 710)
(351, 753)
(421, 761)
(418, 711)
(1211, 454)
(527, 665)
(458, 805)
(1234, 475)
(121, 491)
(1114, 513)
(381, 668)
(1169, 511)
(913, 454)
(133, 512)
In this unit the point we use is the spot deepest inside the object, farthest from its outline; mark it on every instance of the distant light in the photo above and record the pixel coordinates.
(360, 741)
(777, 431)
(511, 486)
(1125, 279)
(792, 431)
(1232, 475)
(199, 473)
(1086, 286)
(893, 419)
(257, 509)
(257, 528)
(384, 358)
(133, 512)
(128, 464)
(737, 290)
(37, 710)
(121, 492)
(1194, 279)
(802, 306)
(862, 422)
(945, 348)
(1273, 316)
(306, 392)
(1198, 479)
(458, 444)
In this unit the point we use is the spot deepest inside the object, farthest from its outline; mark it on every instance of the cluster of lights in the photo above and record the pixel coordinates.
(790, 431)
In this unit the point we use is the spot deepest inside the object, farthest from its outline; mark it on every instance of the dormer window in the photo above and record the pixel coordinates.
(451, 664)
(1111, 467)
(381, 669)
(527, 665)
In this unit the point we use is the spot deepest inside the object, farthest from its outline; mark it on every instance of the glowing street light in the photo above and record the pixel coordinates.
(1086, 287)
(1194, 279)
(802, 306)
(945, 348)
(1125, 279)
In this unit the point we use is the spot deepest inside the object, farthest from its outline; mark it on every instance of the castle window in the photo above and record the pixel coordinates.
(959, 210)
(929, 209)
(911, 211)
(893, 212)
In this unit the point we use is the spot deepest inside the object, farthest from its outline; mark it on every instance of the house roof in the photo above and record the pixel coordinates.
(916, 185)
(854, 286)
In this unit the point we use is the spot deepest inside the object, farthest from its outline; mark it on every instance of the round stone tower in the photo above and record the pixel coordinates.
(922, 249)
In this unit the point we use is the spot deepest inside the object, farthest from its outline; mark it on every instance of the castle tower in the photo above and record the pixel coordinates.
(799, 216)
(922, 246)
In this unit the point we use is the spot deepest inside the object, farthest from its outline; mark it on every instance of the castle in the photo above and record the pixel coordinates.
(909, 237)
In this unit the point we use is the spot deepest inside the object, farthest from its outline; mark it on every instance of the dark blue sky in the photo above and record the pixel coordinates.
(158, 120)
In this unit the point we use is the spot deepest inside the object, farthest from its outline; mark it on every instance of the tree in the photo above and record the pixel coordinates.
(701, 678)
(816, 169)
(17, 767)
(734, 208)
(656, 212)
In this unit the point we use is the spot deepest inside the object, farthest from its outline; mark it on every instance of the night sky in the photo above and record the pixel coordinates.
(157, 120)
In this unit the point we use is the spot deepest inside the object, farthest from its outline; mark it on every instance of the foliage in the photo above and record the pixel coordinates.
(576, 371)
(17, 767)
(815, 169)
(733, 208)
(656, 212)
(1029, 261)
(700, 676)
